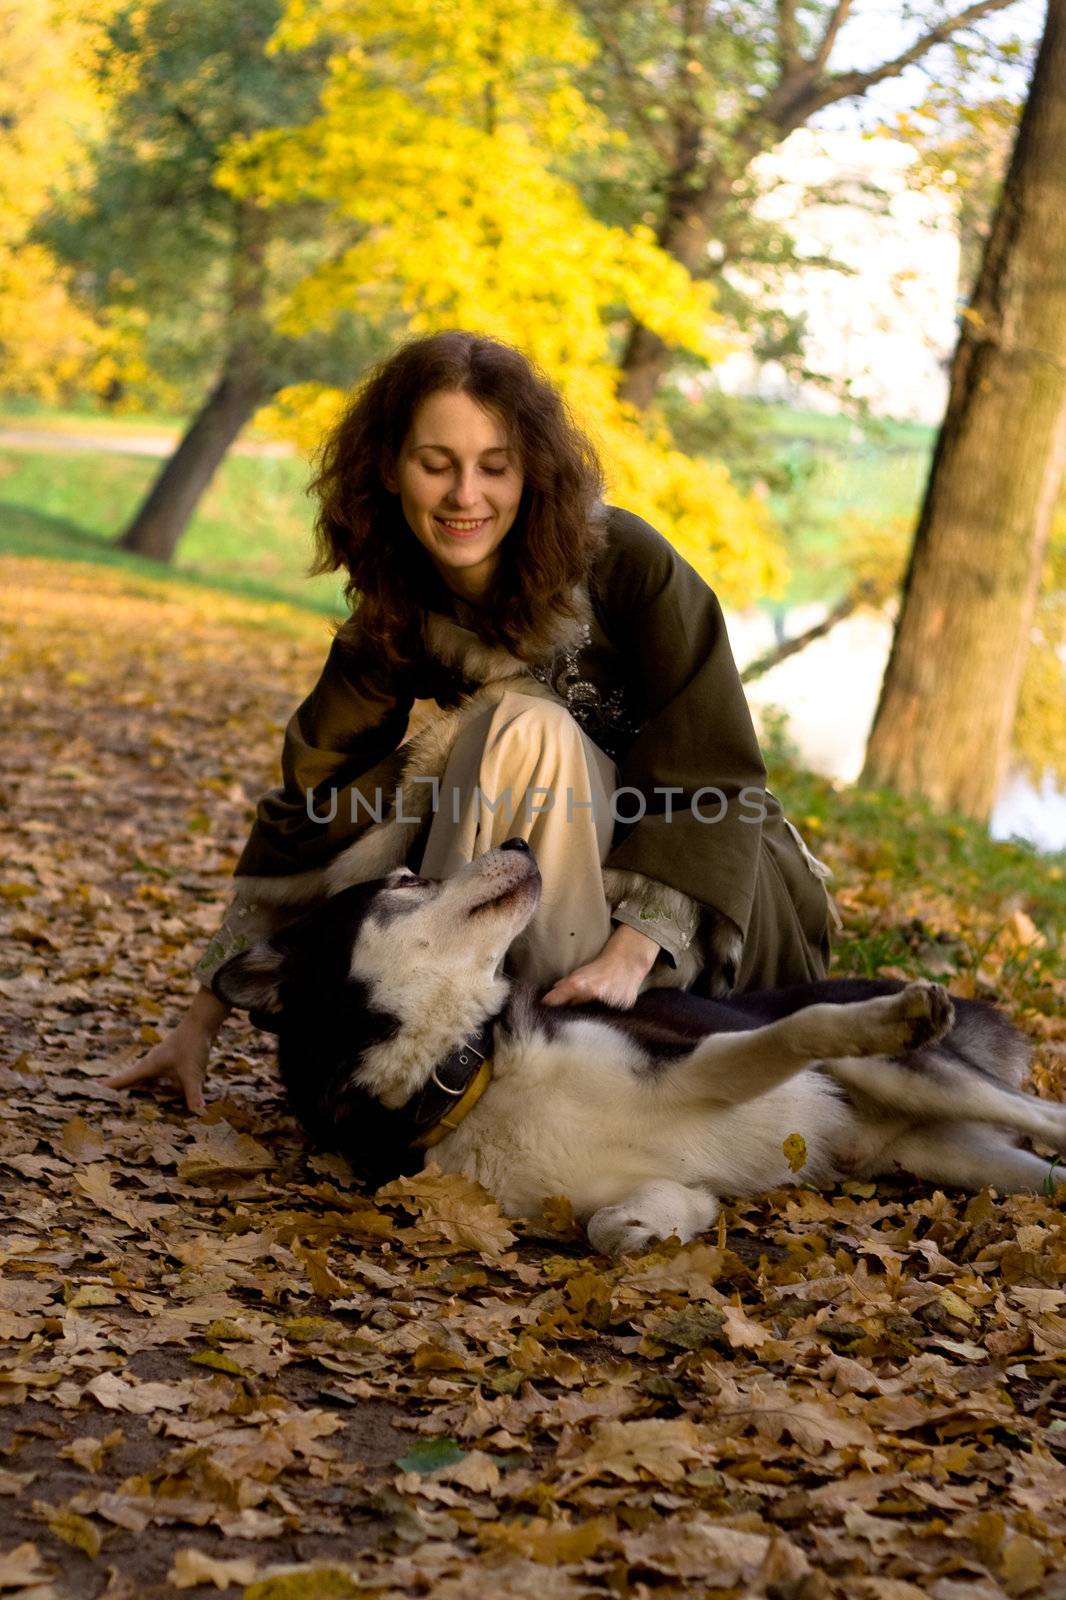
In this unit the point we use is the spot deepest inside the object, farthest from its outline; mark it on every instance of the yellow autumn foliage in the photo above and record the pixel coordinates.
(51, 107)
(444, 145)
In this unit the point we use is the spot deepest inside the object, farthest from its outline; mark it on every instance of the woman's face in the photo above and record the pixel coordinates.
(460, 484)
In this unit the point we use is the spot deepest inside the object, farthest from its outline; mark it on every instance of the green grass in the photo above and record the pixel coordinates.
(929, 862)
(250, 534)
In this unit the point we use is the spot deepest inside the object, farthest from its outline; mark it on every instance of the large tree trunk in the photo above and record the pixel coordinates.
(241, 390)
(175, 494)
(950, 691)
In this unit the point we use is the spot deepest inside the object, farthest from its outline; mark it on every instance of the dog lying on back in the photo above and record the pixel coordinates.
(397, 1031)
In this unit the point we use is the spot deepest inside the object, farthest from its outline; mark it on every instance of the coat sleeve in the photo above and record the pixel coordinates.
(340, 764)
(695, 765)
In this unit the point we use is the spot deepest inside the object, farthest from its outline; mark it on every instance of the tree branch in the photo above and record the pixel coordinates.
(631, 87)
(841, 12)
(788, 56)
(844, 85)
(862, 594)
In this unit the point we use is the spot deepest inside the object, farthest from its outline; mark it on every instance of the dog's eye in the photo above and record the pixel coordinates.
(410, 883)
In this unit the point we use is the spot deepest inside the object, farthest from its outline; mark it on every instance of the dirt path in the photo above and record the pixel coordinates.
(221, 1366)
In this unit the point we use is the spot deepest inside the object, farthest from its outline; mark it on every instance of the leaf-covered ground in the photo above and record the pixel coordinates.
(222, 1365)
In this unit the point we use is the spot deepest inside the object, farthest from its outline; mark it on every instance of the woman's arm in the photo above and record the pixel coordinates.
(339, 752)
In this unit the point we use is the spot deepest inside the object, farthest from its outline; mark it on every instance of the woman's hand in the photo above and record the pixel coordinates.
(183, 1055)
(614, 977)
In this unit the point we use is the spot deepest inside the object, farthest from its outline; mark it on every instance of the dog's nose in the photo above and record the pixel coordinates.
(515, 844)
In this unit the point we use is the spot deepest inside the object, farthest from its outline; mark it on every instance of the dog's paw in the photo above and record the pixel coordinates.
(621, 1231)
(658, 1210)
(918, 1015)
(925, 1013)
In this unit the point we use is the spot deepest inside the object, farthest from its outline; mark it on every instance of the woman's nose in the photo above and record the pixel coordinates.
(464, 489)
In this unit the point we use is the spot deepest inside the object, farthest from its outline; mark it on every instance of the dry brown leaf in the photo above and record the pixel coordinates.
(657, 1446)
(742, 1333)
(454, 1206)
(551, 1543)
(191, 1567)
(95, 1182)
(21, 1567)
(219, 1151)
(697, 1547)
(82, 1142)
(117, 1393)
(72, 1528)
(815, 1424)
(320, 1274)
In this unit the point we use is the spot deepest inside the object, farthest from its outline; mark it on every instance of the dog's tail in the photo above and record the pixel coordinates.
(984, 1039)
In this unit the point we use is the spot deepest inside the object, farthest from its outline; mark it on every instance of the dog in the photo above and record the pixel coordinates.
(398, 1031)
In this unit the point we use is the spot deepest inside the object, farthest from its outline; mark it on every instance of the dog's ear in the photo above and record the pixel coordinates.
(252, 983)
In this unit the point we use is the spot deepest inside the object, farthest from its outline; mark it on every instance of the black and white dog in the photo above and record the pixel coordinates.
(398, 1030)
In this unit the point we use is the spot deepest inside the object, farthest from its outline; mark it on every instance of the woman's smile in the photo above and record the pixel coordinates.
(462, 530)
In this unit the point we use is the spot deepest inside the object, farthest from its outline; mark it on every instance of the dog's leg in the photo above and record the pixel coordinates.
(969, 1156)
(652, 1212)
(936, 1087)
(729, 1068)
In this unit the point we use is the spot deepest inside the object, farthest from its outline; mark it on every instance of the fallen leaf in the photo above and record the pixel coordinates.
(656, 1446)
(72, 1528)
(82, 1142)
(140, 1399)
(455, 1206)
(795, 1151)
(21, 1567)
(219, 1151)
(191, 1567)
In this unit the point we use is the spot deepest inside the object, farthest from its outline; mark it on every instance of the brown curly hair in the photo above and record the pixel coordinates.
(360, 525)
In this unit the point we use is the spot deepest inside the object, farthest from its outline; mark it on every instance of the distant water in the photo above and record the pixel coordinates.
(829, 694)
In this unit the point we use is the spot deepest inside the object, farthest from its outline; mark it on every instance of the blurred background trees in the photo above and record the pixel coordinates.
(193, 270)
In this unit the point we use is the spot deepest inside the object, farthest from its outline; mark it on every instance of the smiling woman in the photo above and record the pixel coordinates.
(465, 508)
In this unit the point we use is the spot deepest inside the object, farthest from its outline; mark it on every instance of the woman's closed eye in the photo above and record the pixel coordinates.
(490, 472)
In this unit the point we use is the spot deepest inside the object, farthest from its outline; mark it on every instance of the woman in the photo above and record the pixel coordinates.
(465, 507)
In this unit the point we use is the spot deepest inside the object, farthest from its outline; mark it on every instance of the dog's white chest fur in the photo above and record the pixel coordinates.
(582, 1115)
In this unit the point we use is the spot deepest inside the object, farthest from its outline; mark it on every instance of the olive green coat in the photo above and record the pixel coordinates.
(653, 682)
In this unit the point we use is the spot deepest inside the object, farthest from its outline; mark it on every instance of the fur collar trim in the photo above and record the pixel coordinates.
(460, 649)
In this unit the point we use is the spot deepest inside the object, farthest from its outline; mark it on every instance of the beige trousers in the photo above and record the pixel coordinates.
(526, 770)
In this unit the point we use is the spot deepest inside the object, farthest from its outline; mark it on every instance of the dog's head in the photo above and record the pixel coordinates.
(375, 987)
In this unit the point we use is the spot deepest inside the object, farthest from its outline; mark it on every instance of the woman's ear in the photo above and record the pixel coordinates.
(389, 476)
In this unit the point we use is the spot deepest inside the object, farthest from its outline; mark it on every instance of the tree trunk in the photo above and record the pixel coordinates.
(950, 691)
(684, 234)
(172, 499)
(241, 390)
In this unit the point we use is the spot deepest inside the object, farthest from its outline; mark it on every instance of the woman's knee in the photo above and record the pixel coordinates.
(536, 726)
